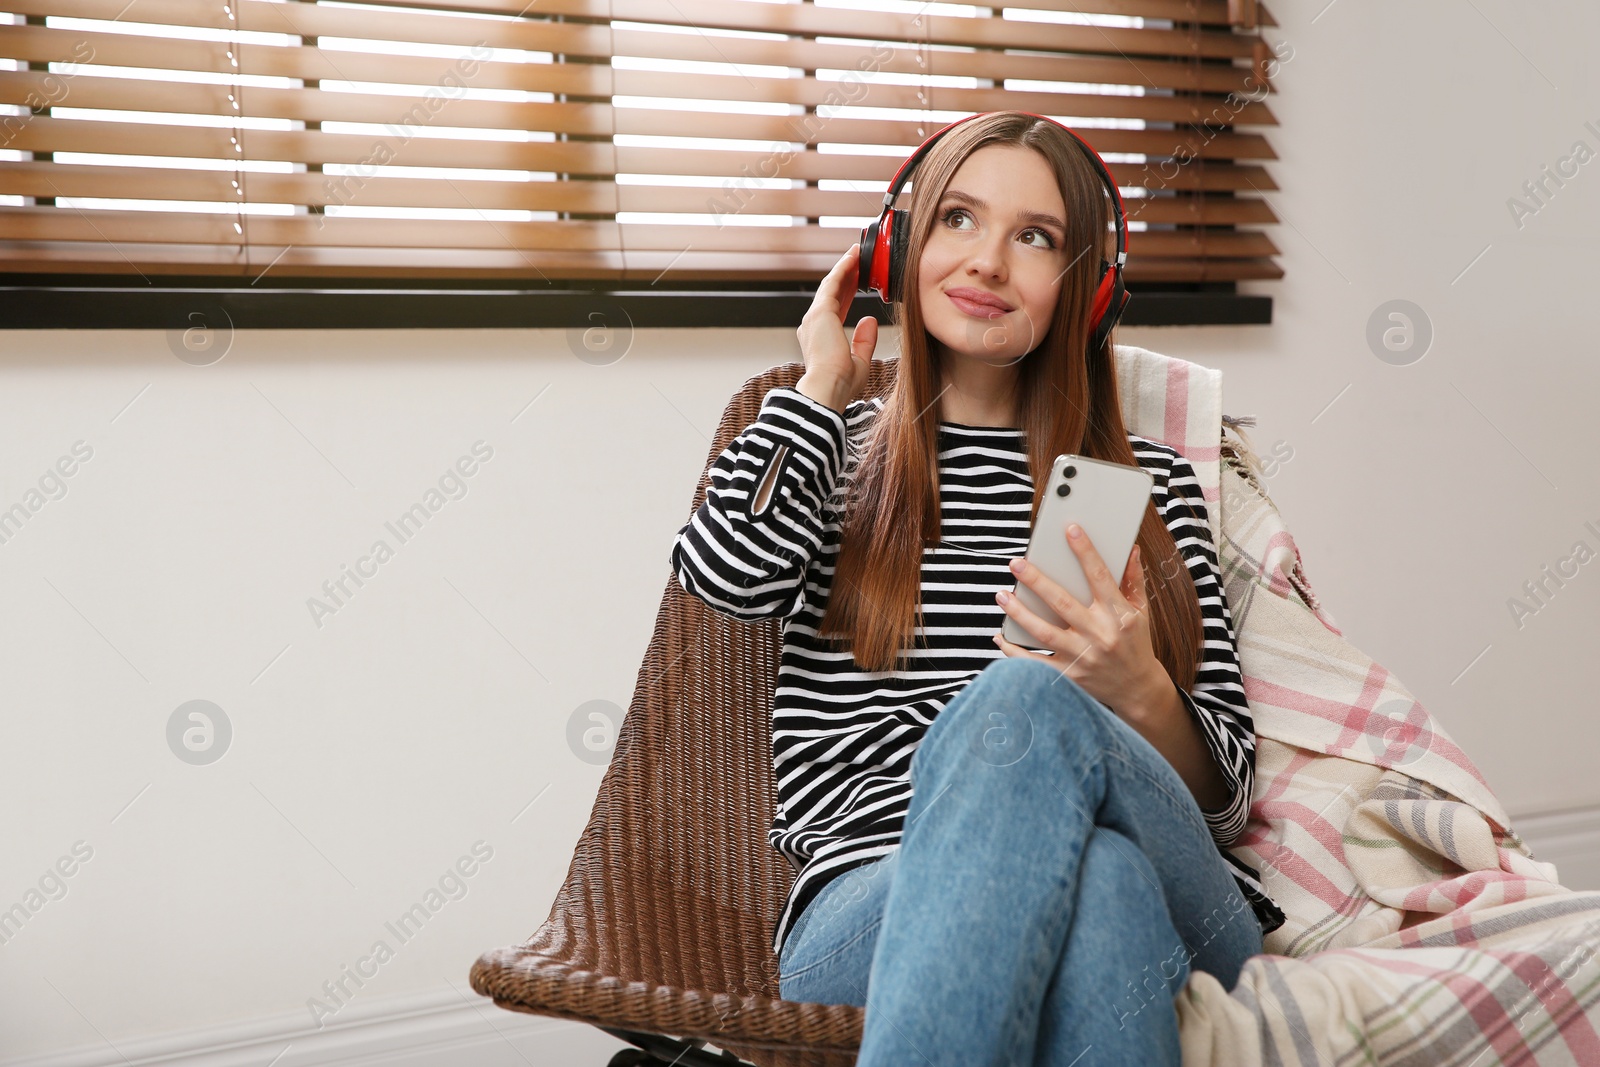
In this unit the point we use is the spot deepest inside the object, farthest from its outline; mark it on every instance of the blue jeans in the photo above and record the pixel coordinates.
(1053, 884)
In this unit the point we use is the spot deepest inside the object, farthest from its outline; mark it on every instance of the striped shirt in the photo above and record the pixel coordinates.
(842, 738)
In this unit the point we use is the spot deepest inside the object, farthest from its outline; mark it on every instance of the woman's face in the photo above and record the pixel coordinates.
(1002, 241)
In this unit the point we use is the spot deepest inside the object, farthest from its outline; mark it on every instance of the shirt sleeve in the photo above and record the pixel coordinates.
(751, 564)
(1217, 701)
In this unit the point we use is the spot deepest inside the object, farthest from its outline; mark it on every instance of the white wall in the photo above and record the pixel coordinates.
(371, 753)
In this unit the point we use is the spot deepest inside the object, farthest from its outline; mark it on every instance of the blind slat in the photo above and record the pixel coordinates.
(422, 263)
(934, 29)
(47, 44)
(595, 120)
(151, 183)
(49, 224)
(579, 157)
(172, 258)
(157, 183)
(1206, 12)
(1217, 13)
(594, 40)
(573, 157)
(313, 146)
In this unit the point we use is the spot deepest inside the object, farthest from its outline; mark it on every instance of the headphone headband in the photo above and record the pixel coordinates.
(884, 241)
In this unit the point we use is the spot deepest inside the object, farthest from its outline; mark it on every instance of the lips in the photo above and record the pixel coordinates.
(978, 302)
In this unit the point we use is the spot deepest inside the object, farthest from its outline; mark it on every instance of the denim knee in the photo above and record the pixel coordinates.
(1006, 666)
(991, 716)
(1030, 677)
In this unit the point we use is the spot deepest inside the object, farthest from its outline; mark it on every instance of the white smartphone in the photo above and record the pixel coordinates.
(1108, 500)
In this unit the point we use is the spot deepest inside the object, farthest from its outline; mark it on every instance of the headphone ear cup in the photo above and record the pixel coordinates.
(866, 257)
(899, 231)
(1109, 300)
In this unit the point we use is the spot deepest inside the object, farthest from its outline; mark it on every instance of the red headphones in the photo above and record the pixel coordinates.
(883, 242)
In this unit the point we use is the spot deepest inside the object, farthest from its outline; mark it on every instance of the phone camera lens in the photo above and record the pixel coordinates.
(1063, 489)
(1068, 471)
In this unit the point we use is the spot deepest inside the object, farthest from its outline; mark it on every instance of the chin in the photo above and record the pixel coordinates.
(969, 344)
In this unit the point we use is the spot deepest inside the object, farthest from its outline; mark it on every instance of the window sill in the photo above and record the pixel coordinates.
(49, 302)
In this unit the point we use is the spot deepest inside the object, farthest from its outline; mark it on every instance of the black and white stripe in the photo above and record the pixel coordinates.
(843, 738)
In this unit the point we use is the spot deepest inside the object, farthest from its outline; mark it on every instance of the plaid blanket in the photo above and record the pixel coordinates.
(1421, 930)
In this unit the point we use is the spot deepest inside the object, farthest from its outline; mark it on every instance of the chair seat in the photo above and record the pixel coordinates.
(752, 1027)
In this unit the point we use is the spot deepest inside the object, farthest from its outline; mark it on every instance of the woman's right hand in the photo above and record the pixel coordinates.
(837, 367)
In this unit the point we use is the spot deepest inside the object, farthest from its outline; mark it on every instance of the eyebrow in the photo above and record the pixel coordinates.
(1025, 216)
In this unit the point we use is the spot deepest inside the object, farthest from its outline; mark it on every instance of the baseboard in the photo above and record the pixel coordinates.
(441, 1028)
(1568, 839)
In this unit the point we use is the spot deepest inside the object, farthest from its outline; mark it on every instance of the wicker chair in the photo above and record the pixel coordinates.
(660, 935)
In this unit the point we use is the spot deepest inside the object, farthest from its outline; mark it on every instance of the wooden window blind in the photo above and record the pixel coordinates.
(594, 139)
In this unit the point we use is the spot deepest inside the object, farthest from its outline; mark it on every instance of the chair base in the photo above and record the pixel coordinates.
(657, 1051)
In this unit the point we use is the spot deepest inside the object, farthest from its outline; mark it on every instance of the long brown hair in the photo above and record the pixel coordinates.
(1067, 403)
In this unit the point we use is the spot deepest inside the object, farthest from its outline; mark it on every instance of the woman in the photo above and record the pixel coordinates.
(1045, 887)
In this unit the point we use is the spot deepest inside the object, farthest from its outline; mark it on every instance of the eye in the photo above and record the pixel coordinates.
(1050, 242)
(951, 213)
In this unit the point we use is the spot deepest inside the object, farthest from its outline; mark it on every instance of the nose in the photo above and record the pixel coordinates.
(989, 256)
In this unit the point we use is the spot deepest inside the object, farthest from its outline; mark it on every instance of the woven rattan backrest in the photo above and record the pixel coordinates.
(675, 866)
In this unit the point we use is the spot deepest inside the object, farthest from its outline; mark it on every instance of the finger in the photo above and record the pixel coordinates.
(1095, 569)
(1018, 652)
(827, 288)
(847, 259)
(1055, 638)
(1071, 610)
(833, 284)
(844, 263)
(865, 340)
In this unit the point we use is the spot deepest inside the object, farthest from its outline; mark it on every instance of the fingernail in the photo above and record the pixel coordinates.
(1074, 530)
(1016, 566)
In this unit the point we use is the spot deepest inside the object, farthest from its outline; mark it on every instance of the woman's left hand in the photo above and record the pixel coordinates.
(1106, 646)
